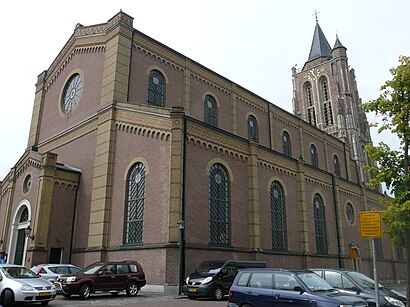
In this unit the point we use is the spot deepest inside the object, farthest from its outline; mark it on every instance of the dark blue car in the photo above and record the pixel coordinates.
(282, 288)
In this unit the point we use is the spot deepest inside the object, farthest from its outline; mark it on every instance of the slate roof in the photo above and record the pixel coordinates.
(320, 46)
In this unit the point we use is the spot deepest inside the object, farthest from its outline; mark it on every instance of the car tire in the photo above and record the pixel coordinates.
(218, 293)
(66, 295)
(85, 291)
(132, 289)
(45, 303)
(8, 298)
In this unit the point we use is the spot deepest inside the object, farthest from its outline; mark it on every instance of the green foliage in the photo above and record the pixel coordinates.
(392, 166)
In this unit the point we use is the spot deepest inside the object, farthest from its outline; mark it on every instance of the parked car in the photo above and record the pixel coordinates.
(279, 288)
(360, 284)
(214, 278)
(112, 277)
(52, 271)
(19, 284)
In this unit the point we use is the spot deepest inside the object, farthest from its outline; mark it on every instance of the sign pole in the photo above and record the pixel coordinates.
(376, 279)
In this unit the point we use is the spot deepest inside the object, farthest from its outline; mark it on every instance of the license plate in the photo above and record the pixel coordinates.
(45, 293)
(192, 290)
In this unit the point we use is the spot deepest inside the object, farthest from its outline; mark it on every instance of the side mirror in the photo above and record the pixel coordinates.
(299, 289)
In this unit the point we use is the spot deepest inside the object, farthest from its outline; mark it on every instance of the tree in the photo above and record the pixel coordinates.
(393, 166)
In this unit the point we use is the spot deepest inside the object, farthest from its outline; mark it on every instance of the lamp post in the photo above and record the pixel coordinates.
(181, 225)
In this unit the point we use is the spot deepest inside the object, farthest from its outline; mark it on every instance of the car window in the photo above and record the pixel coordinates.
(59, 270)
(243, 279)
(19, 272)
(122, 268)
(261, 280)
(133, 268)
(347, 284)
(285, 282)
(230, 269)
(108, 269)
(74, 270)
(334, 279)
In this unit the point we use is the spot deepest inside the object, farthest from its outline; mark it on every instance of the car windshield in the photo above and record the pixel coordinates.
(314, 282)
(19, 272)
(210, 267)
(92, 268)
(363, 280)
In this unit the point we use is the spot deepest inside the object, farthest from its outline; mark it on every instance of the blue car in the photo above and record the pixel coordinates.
(282, 288)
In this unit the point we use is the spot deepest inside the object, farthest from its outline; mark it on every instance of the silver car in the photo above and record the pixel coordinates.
(52, 272)
(20, 284)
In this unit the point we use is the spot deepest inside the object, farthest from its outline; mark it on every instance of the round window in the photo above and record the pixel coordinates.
(27, 184)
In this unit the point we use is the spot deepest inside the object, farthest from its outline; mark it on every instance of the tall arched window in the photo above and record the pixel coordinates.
(336, 165)
(252, 128)
(320, 225)
(311, 112)
(210, 111)
(156, 88)
(314, 158)
(286, 144)
(278, 217)
(134, 211)
(219, 216)
(327, 105)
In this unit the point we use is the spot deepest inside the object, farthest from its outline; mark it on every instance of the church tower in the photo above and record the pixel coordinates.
(325, 95)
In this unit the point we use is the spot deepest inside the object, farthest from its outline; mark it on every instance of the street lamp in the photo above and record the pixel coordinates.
(27, 231)
(181, 225)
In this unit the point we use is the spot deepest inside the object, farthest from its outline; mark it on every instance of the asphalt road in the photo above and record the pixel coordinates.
(146, 299)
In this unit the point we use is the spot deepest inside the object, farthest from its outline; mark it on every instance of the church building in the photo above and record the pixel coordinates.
(136, 151)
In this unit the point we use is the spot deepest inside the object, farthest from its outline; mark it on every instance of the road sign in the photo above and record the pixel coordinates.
(370, 224)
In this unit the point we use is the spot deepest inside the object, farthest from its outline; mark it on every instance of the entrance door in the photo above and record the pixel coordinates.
(55, 255)
(21, 241)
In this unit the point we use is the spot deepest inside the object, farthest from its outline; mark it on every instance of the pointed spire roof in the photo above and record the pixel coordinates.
(338, 44)
(320, 45)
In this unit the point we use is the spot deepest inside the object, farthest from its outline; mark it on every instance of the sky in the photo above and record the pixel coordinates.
(253, 43)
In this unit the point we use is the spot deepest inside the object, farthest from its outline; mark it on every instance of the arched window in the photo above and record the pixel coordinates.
(320, 225)
(252, 128)
(218, 206)
(350, 214)
(210, 111)
(286, 144)
(134, 211)
(311, 112)
(336, 165)
(278, 217)
(156, 88)
(314, 158)
(327, 105)
(24, 215)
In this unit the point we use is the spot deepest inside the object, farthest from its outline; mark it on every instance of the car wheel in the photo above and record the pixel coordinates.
(45, 303)
(66, 295)
(8, 298)
(218, 293)
(85, 291)
(132, 289)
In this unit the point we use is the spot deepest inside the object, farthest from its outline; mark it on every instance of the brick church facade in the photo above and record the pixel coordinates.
(129, 137)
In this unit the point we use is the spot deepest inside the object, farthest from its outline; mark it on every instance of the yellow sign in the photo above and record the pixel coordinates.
(370, 224)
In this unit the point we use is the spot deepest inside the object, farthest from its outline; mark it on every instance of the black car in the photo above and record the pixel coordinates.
(213, 278)
(357, 283)
(282, 288)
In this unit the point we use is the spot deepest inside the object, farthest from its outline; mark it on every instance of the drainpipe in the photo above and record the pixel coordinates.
(73, 220)
(339, 247)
